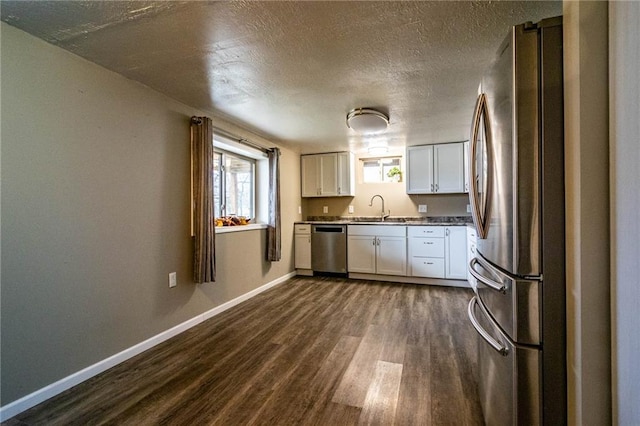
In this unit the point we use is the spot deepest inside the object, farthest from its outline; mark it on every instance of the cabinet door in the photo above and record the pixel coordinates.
(420, 169)
(456, 252)
(303, 251)
(328, 174)
(310, 171)
(346, 174)
(467, 171)
(448, 167)
(391, 257)
(471, 251)
(361, 254)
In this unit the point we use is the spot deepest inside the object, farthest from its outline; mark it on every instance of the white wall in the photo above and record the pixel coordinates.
(587, 210)
(95, 214)
(624, 92)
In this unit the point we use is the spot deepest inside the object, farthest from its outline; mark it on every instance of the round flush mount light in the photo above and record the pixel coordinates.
(367, 120)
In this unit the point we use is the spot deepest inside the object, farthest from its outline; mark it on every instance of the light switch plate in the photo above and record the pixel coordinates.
(422, 208)
(173, 281)
(325, 209)
(468, 208)
(299, 209)
(351, 210)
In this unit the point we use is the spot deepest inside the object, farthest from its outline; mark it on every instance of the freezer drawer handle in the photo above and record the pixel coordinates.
(491, 283)
(498, 346)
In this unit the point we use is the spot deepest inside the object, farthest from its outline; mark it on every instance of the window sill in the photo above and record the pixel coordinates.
(240, 228)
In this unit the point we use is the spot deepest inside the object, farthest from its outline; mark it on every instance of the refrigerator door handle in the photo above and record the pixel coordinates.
(497, 286)
(480, 211)
(495, 344)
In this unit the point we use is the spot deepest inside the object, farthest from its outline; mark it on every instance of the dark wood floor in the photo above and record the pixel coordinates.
(311, 351)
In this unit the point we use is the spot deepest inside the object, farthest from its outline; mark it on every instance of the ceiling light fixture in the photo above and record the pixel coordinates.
(367, 120)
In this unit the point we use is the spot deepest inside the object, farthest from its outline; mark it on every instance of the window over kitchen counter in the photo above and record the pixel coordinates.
(382, 169)
(234, 185)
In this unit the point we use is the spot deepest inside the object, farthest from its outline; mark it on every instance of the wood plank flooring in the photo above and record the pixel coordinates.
(311, 351)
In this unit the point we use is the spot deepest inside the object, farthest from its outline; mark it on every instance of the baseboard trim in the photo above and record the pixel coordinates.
(410, 280)
(18, 406)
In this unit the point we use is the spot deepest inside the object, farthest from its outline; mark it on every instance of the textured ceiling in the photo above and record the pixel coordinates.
(290, 71)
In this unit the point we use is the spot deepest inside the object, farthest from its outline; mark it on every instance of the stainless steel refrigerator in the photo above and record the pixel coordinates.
(517, 199)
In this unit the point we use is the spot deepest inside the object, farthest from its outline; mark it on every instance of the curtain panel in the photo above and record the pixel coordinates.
(274, 241)
(204, 233)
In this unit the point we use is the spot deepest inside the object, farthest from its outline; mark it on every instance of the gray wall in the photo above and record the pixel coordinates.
(624, 91)
(95, 214)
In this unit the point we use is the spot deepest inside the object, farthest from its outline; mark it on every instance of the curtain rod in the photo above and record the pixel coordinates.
(240, 140)
(198, 120)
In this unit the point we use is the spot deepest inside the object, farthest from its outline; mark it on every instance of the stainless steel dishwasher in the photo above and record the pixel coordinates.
(329, 248)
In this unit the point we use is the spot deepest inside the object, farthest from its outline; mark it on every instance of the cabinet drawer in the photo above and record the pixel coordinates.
(302, 229)
(426, 247)
(430, 267)
(426, 231)
(378, 230)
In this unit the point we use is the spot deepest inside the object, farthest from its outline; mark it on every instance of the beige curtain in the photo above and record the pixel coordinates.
(204, 234)
(274, 243)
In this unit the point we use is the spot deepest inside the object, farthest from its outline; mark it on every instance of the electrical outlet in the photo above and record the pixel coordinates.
(173, 280)
(422, 208)
(325, 209)
(351, 210)
(468, 208)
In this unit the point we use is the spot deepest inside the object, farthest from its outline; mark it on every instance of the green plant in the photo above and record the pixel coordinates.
(394, 171)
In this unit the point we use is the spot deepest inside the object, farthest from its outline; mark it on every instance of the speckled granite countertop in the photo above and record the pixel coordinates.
(394, 220)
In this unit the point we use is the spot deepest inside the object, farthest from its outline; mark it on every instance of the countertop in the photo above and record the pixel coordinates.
(393, 220)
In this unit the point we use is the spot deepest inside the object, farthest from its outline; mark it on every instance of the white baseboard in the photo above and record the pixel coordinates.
(410, 280)
(18, 406)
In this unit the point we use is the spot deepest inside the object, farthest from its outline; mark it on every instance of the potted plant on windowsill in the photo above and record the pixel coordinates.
(395, 174)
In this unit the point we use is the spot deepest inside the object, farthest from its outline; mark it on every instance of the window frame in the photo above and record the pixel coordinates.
(380, 166)
(222, 208)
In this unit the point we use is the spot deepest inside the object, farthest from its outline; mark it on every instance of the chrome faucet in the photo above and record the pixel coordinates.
(383, 215)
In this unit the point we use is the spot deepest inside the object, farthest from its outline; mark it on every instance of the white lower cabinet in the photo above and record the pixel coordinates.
(391, 256)
(361, 253)
(456, 252)
(302, 241)
(437, 251)
(426, 251)
(471, 250)
(377, 249)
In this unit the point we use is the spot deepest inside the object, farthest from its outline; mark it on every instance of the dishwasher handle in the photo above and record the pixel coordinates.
(328, 228)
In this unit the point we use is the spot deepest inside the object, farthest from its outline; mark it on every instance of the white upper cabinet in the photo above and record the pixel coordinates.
(346, 174)
(436, 169)
(310, 172)
(327, 175)
(448, 167)
(420, 169)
